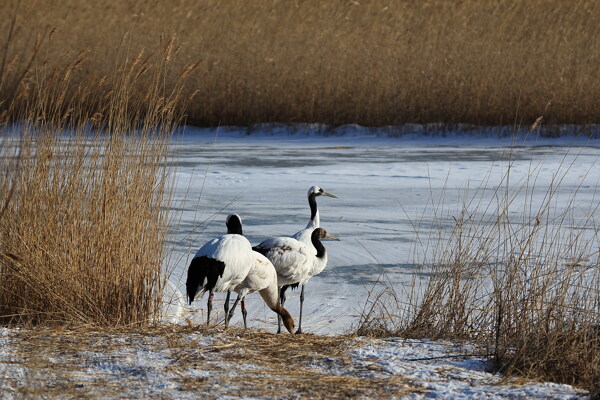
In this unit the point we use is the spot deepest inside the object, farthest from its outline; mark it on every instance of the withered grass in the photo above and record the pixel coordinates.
(283, 361)
(367, 62)
(84, 190)
(237, 362)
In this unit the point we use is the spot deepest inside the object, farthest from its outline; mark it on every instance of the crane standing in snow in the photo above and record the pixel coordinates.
(224, 263)
(296, 262)
(304, 236)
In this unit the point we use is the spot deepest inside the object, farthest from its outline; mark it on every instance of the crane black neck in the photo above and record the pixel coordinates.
(234, 226)
(312, 202)
(314, 238)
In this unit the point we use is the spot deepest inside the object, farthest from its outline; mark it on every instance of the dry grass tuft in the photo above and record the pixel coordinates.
(371, 62)
(285, 362)
(83, 190)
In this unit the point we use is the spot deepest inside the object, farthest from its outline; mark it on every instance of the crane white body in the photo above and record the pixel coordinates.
(236, 252)
(261, 278)
(304, 235)
(294, 260)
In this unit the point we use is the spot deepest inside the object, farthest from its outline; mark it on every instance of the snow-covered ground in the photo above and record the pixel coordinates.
(438, 368)
(235, 364)
(386, 185)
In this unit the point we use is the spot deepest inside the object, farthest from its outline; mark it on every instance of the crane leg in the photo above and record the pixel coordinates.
(301, 302)
(281, 302)
(244, 312)
(229, 315)
(209, 306)
(226, 308)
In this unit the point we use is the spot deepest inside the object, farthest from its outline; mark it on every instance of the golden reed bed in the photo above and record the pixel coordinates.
(367, 62)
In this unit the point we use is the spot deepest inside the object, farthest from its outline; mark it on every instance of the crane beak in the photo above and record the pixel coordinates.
(330, 236)
(329, 195)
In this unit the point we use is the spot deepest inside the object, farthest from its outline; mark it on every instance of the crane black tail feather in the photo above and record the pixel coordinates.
(293, 286)
(203, 274)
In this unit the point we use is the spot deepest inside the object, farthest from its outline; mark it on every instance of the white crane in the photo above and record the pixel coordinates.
(262, 278)
(296, 262)
(315, 222)
(305, 236)
(220, 265)
(228, 263)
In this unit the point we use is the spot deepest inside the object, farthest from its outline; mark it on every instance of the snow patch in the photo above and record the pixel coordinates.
(447, 370)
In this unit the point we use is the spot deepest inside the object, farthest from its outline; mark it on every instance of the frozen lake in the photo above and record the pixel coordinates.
(385, 186)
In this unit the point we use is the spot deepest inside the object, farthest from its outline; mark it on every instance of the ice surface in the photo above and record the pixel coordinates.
(388, 187)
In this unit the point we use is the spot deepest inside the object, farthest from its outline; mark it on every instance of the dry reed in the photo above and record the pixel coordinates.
(83, 189)
(369, 62)
(525, 287)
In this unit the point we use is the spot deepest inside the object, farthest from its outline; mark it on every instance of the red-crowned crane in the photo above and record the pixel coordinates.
(224, 263)
(296, 262)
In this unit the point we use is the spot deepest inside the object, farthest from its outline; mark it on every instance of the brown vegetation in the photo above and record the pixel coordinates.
(234, 363)
(367, 62)
(83, 191)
